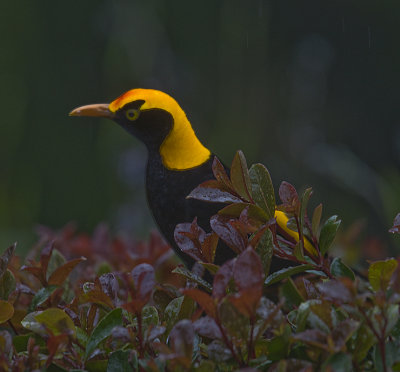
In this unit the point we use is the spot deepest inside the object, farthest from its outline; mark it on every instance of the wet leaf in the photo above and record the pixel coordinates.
(248, 271)
(222, 279)
(206, 327)
(380, 273)
(234, 210)
(328, 233)
(220, 174)
(205, 301)
(103, 330)
(41, 296)
(339, 269)
(286, 272)
(6, 311)
(144, 281)
(288, 196)
(7, 284)
(53, 319)
(226, 230)
(60, 275)
(395, 229)
(265, 249)
(336, 291)
(291, 294)
(5, 258)
(210, 191)
(190, 275)
(181, 338)
(262, 189)
(316, 219)
(240, 176)
(119, 361)
(303, 206)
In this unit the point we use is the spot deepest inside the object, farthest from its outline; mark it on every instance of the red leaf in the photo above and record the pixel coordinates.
(109, 285)
(336, 290)
(222, 279)
(209, 247)
(246, 301)
(395, 229)
(60, 274)
(240, 176)
(45, 257)
(220, 174)
(228, 233)
(181, 338)
(213, 191)
(206, 327)
(188, 237)
(205, 301)
(288, 195)
(248, 271)
(144, 280)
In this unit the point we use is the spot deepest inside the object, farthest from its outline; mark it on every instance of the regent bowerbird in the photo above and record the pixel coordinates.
(177, 163)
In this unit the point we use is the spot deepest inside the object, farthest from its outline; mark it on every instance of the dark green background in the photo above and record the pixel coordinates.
(309, 88)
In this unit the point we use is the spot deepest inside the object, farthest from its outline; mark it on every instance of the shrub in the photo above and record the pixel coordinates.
(128, 306)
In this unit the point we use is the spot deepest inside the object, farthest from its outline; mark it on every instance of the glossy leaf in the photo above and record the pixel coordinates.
(190, 275)
(60, 274)
(262, 189)
(240, 176)
(206, 327)
(328, 233)
(265, 249)
(286, 272)
(316, 219)
(41, 296)
(7, 284)
(225, 229)
(220, 174)
(5, 258)
(119, 361)
(210, 191)
(182, 338)
(103, 330)
(288, 194)
(380, 273)
(339, 269)
(395, 229)
(205, 301)
(6, 311)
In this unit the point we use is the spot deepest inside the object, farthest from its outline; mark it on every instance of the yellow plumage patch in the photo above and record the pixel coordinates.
(282, 221)
(181, 149)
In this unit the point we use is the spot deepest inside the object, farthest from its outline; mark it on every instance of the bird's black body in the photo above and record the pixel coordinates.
(166, 194)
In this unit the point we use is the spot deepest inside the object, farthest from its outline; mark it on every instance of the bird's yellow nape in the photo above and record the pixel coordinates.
(181, 149)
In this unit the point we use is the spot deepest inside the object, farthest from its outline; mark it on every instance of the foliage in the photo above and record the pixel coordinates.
(122, 307)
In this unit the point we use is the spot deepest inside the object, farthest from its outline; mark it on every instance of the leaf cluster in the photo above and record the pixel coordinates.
(102, 303)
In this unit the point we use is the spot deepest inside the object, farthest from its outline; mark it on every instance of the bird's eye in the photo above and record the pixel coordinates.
(132, 114)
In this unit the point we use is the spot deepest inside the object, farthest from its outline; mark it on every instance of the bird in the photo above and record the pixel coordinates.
(177, 162)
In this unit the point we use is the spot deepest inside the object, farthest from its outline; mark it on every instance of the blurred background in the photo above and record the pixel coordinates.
(308, 88)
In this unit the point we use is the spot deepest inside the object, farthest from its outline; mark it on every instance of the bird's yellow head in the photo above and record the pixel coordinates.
(158, 121)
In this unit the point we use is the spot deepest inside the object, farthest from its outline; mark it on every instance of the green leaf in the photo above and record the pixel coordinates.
(339, 362)
(316, 219)
(265, 249)
(103, 330)
(6, 311)
(262, 189)
(392, 316)
(20, 342)
(240, 176)
(119, 361)
(339, 269)
(41, 296)
(286, 272)
(236, 209)
(303, 206)
(291, 294)
(56, 260)
(380, 273)
(171, 312)
(7, 284)
(328, 233)
(5, 258)
(192, 277)
(52, 319)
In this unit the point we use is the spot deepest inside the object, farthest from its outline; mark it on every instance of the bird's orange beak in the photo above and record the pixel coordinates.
(100, 110)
